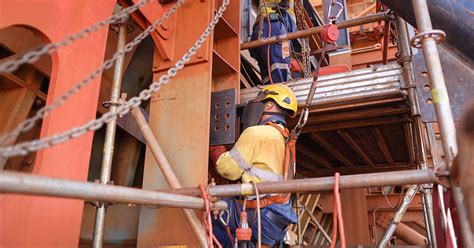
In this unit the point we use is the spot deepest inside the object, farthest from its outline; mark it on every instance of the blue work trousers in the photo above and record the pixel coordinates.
(279, 60)
(275, 221)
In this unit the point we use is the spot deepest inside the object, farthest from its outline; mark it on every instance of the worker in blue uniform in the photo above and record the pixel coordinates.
(278, 19)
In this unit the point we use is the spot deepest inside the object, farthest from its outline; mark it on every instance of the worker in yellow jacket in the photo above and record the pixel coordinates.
(259, 156)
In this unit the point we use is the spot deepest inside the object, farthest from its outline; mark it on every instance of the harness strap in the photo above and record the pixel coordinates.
(290, 148)
(267, 201)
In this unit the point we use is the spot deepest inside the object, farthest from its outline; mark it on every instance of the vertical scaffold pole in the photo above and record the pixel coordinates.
(110, 134)
(407, 71)
(427, 38)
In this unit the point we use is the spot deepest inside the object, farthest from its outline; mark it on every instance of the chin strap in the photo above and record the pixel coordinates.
(274, 113)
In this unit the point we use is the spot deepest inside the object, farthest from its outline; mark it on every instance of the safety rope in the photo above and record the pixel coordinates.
(211, 239)
(337, 221)
(31, 146)
(269, 31)
(32, 56)
(44, 111)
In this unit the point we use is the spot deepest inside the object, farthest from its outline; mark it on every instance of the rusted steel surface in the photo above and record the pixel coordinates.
(168, 173)
(318, 184)
(31, 221)
(372, 55)
(27, 184)
(356, 220)
(313, 31)
(403, 232)
(179, 119)
(459, 74)
(353, 144)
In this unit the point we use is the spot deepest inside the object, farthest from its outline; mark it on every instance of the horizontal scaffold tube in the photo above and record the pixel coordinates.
(318, 184)
(316, 30)
(27, 184)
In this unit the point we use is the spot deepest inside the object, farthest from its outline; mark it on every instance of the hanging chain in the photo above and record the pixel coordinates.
(26, 147)
(44, 111)
(32, 56)
(305, 49)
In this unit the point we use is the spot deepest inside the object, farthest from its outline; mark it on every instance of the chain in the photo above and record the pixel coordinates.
(30, 122)
(26, 147)
(29, 57)
(305, 49)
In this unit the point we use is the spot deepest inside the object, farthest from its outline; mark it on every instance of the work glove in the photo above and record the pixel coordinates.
(215, 152)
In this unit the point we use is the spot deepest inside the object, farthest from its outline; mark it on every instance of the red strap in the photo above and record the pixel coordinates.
(283, 131)
(290, 149)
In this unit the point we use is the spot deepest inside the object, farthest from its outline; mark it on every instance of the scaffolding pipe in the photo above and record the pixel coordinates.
(405, 62)
(28, 184)
(317, 184)
(442, 106)
(408, 77)
(110, 134)
(426, 188)
(436, 78)
(168, 173)
(398, 217)
(316, 30)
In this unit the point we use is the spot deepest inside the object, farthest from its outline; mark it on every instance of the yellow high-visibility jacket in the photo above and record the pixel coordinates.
(258, 155)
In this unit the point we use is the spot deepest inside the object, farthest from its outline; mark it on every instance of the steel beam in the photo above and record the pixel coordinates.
(168, 173)
(383, 146)
(353, 144)
(312, 31)
(325, 144)
(28, 184)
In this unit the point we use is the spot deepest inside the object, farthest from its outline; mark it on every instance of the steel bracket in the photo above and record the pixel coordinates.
(459, 76)
(223, 117)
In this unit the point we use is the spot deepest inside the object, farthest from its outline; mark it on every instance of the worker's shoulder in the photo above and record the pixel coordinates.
(262, 131)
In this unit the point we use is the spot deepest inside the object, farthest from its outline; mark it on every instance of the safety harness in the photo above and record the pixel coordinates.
(290, 158)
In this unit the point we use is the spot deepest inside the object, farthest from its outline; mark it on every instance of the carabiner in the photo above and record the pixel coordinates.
(331, 18)
(301, 121)
(221, 218)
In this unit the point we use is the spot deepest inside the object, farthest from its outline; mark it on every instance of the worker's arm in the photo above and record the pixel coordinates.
(231, 164)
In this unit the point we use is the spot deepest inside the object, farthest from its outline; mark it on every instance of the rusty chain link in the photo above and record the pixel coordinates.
(44, 111)
(26, 147)
(29, 57)
(305, 49)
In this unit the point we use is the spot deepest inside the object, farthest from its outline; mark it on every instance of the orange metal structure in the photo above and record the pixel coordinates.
(179, 117)
(34, 221)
